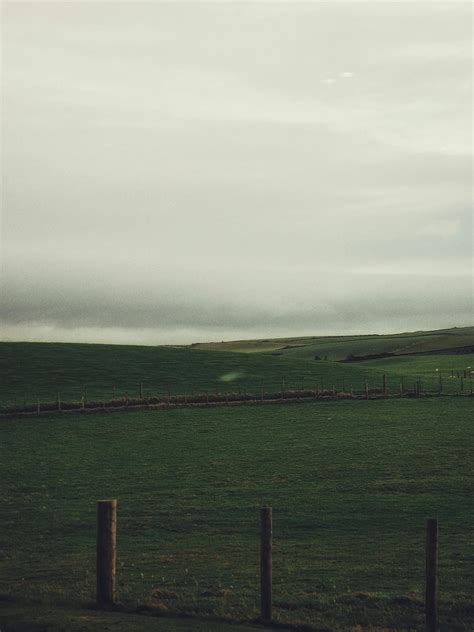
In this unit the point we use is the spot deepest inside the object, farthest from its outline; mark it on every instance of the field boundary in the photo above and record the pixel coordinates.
(208, 401)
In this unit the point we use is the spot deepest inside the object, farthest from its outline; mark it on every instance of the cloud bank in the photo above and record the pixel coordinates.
(179, 172)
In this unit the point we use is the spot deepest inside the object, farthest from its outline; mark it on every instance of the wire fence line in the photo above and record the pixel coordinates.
(388, 387)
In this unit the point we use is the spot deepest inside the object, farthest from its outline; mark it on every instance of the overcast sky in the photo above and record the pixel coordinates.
(179, 172)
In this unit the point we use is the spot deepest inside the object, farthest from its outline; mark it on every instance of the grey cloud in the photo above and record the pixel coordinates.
(178, 168)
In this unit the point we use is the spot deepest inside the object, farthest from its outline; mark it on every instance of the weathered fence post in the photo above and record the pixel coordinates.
(384, 384)
(440, 384)
(266, 564)
(39, 406)
(366, 391)
(462, 384)
(58, 400)
(431, 605)
(141, 390)
(106, 551)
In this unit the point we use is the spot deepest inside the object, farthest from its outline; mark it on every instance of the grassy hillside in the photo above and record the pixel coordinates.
(37, 371)
(338, 347)
(427, 366)
(32, 371)
(351, 484)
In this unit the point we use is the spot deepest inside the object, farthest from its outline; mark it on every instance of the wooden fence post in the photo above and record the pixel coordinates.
(266, 564)
(106, 551)
(141, 390)
(431, 605)
(440, 384)
(384, 384)
(58, 400)
(366, 391)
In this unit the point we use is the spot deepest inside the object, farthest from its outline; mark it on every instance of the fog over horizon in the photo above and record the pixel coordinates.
(187, 172)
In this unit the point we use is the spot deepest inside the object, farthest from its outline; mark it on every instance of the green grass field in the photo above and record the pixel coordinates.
(338, 347)
(34, 372)
(351, 484)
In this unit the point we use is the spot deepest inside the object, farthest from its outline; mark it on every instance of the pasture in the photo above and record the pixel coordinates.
(351, 484)
(33, 372)
(336, 348)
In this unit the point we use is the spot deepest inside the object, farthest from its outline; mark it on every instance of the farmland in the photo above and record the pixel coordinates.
(350, 482)
(34, 372)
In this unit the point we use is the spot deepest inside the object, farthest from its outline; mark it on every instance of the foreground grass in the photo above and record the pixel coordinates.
(37, 617)
(351, 484)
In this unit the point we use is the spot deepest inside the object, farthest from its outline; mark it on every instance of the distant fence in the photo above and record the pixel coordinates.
(405, 388)
(106, 555)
